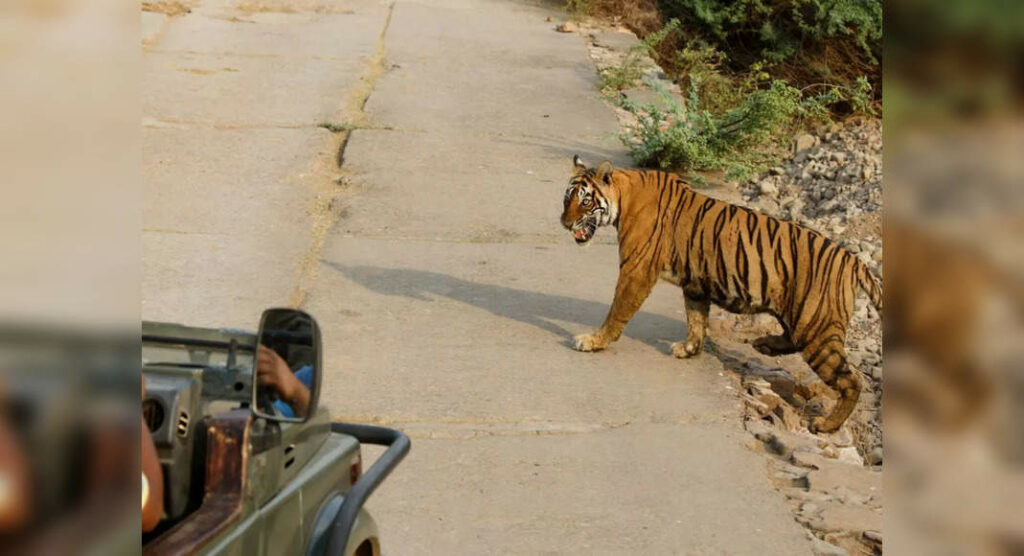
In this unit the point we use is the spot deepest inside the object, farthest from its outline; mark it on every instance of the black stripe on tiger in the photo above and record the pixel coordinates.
(731, 256)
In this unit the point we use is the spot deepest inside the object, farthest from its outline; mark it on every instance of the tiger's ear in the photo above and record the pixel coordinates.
(577, 164)
(604, 172)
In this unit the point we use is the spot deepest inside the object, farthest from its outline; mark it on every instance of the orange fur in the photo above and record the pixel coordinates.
(734, 257)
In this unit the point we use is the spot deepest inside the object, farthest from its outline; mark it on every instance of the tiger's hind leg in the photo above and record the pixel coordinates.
(828, 359)
(773, 345)
(696, 328)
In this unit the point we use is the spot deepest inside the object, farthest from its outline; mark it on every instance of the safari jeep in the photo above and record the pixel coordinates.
(247, 469)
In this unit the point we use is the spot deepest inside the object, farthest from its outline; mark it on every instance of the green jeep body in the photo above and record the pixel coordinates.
(239, 483)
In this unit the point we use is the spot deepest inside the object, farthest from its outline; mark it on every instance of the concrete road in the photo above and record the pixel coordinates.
(434, 261)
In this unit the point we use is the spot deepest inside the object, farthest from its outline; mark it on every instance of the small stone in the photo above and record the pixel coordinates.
(822, 548)
(850, 455)
(848, 518)
(621, 42)
(776, 171)
(758, 428)
(803, 142)
(789, 470)
(875, 456)
(758, 406)
(766, 187)
(842, 437)
(806, 458)
(567, 27)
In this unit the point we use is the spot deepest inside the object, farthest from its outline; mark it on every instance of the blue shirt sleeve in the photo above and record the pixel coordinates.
(305, 376)
(284, 409)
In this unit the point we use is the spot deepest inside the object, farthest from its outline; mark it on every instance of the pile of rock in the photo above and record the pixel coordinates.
(833, 183)
(833, 495)
(833, 177)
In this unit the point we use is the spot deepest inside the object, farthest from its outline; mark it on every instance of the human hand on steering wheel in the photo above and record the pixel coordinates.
(273, 371)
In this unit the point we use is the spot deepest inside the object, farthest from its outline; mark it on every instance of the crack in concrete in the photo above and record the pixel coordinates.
(323, 213)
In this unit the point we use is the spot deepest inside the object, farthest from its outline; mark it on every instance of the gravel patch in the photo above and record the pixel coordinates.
(833, 184)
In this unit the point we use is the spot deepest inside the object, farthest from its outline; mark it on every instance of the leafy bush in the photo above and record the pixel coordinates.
(578, 7)
(756, 71)
(624, 75)
(834, 42)
(743, 139)
(780, 27)
(631, 69)
(685, 137)
(641, 16)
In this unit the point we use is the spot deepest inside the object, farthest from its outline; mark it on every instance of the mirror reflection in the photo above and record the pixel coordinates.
(285, 365)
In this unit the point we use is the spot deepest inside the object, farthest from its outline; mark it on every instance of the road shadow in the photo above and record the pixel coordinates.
(536, 309)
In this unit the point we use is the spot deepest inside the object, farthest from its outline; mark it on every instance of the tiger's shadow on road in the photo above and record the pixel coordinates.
(534, 308)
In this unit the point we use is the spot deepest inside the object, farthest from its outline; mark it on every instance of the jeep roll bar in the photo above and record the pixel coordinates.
(398, 446)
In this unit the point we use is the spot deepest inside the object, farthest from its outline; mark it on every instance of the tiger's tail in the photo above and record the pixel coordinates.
(870, 284)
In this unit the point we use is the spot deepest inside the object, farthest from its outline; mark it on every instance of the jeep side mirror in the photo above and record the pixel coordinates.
(288, 366)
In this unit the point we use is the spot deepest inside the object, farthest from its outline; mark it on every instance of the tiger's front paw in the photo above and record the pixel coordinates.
(689, 348)
(589, 342)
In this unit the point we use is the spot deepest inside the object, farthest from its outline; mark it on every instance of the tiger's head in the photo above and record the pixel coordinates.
(589, 201)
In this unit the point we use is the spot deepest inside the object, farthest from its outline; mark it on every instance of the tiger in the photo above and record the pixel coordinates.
(741, 260)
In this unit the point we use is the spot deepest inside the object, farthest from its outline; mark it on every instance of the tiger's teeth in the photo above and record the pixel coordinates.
(580, 234)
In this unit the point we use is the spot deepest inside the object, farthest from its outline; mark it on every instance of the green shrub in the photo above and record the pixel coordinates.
(779, 28)
(819, 107)
(578, 7)
(630, 69)
(624, 75)
(684, 137)
(812, 44)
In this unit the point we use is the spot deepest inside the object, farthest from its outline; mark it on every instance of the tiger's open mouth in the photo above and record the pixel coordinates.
(585, 231)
